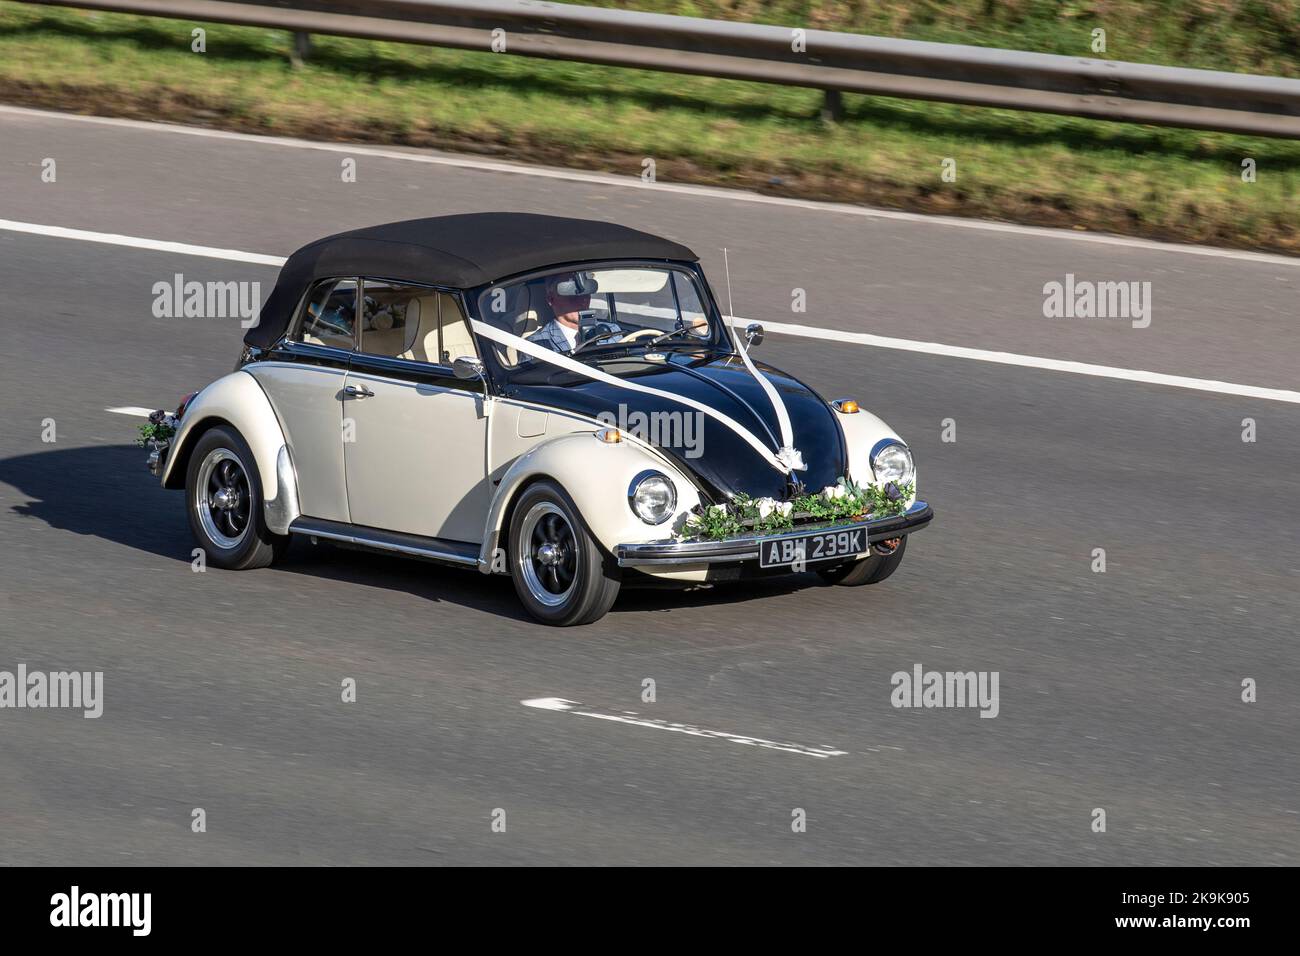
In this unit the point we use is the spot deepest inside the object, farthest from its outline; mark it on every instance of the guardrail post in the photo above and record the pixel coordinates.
(833, 106)
(301, 48)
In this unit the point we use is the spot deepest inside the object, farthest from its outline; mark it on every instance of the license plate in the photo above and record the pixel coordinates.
(807, 548)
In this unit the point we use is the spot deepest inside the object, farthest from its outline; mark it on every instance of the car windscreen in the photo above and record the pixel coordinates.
(593, 314)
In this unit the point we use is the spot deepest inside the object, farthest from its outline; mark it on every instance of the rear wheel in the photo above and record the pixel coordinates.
(224, 498)
(869, 570)
(561, 575)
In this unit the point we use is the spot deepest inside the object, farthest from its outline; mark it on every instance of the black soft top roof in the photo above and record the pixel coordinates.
(456, 251)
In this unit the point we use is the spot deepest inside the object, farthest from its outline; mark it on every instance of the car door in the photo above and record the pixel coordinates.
(415, 436)
(304, 377)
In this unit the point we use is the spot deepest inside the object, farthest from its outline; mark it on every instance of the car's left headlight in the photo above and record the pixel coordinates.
(891, 460)
(652, 497)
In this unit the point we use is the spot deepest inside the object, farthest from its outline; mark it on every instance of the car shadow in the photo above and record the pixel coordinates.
(430, 580)
(105, 491)
(643, 596)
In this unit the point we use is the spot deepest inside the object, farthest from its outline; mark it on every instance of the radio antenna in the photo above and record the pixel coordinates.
(726, 266)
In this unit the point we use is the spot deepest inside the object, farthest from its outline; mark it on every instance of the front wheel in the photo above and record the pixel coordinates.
(561, 575)
(224, 498)
(869, 570)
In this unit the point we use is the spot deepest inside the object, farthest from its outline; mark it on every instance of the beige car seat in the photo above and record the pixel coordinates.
(422, 315)
(457, 341)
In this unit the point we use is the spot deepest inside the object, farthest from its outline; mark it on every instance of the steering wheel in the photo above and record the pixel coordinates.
(639, 334)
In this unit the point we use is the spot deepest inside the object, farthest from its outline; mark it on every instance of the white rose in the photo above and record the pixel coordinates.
(719, 511)
(765, 507)
(829, 492)
(785, 507)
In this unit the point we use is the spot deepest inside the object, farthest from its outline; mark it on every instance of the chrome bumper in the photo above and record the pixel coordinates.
(745, 547)
(157, 457)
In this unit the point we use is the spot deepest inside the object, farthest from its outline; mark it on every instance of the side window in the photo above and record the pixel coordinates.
(393, 316)
(456, 340)
(330, 315)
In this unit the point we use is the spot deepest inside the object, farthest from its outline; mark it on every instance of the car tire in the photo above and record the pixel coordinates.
(562, 576)
(223, 497)
(869, 570)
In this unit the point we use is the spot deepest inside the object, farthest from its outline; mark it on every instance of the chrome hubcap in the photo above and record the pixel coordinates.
(548, 554)
(222, 500)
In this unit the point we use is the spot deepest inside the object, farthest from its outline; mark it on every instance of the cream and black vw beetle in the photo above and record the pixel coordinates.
(555, 399)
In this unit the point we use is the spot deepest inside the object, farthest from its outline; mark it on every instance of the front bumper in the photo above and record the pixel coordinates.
(743, 548)
(157, 457)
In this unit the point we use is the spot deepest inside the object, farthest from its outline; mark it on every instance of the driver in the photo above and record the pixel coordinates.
(568, 296)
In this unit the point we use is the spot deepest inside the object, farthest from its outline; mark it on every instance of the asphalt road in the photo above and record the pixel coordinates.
(1119, 690)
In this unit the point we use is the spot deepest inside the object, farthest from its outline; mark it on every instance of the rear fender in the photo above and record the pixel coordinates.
(237, 401)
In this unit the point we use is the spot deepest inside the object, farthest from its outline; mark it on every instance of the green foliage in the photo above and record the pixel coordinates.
(844, 501)
(1250, 36)
(151, 431)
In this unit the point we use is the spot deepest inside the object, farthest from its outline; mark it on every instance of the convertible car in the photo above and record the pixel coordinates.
(557, 400)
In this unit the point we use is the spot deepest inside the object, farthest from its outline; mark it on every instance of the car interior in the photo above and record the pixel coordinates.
(642, 297)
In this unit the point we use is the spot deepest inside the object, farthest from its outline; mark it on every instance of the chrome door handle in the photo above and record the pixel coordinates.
(357, 391)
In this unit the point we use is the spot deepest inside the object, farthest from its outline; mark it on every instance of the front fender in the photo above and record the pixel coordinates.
(239, 401)
(597, 476)
(862, 430)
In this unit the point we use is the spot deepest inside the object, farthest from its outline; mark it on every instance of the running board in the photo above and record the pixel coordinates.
(433, 549)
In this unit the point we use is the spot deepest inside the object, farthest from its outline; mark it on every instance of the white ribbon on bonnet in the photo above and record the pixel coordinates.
(784, 461)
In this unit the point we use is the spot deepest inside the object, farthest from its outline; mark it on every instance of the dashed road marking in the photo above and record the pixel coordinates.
(560, 705)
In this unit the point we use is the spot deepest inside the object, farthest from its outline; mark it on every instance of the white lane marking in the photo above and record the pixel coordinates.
(1030, 361)
(135, 242)
(806, 331)
(634, 181)
(629, 717)
(132, 410)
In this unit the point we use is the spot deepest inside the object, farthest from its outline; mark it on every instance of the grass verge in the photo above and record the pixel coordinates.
(1167, 184)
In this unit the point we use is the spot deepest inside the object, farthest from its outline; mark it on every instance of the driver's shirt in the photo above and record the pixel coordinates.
(557, 336)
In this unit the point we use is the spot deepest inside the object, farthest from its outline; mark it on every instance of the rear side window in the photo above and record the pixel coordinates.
(330, 315)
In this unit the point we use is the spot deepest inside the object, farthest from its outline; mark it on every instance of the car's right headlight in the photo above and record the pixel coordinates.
(891, 460)
(652, 497)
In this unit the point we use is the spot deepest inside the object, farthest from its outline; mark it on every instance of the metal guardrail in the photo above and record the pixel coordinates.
(834, 62)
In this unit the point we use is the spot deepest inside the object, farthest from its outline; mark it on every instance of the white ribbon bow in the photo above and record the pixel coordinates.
(788, 455)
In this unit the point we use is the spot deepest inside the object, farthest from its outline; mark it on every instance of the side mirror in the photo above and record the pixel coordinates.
(467, 367)
(753, 334)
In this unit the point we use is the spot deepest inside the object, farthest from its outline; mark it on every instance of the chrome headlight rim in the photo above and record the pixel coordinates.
(906, 476)
(634, 500)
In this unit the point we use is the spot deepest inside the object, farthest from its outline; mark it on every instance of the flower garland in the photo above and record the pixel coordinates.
(846, 499)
